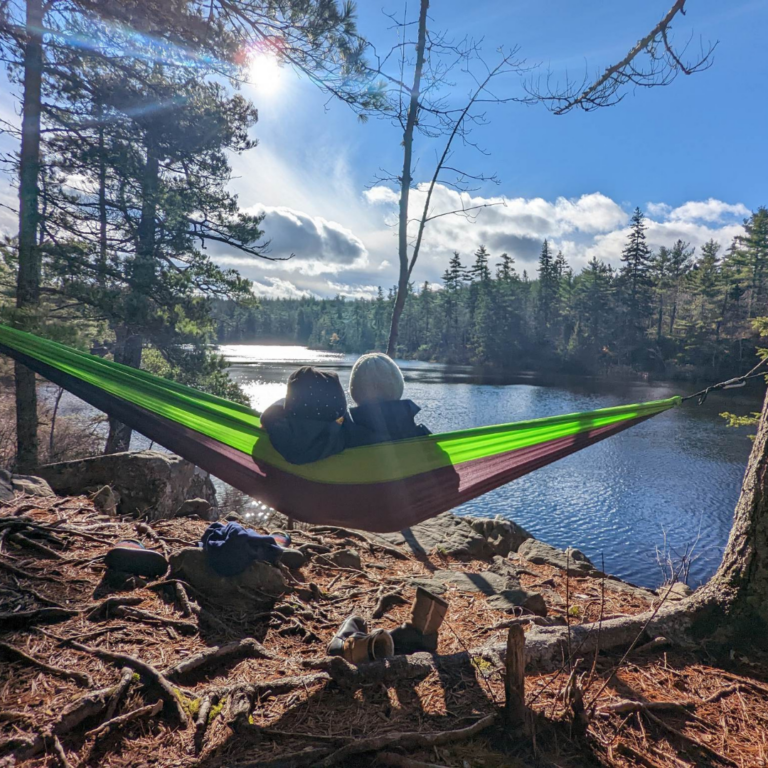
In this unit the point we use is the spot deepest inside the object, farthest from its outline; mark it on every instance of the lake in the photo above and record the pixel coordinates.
(666, 484)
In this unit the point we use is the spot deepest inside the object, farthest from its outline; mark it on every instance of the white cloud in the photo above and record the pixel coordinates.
(381, 195)
(708, 210)
(353, 291)
(277, 288)
(309, 238)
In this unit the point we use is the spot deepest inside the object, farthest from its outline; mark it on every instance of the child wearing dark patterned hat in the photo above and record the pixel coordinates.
(308, 425)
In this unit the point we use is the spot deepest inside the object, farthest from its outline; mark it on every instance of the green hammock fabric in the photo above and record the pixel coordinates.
(483, 456)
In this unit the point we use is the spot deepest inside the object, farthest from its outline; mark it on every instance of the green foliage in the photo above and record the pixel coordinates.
(693, 320)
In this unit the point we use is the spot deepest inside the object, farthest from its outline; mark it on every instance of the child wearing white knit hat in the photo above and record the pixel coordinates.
(376, 385)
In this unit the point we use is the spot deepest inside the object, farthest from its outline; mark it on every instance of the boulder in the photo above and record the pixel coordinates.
(201, 508)
(503, 536)
(346, 558)
(573, 561)
(147, 482)
(259, 585)
(446, 534)
(30, 485)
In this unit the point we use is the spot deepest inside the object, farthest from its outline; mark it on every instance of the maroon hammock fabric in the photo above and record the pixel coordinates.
(375, 507)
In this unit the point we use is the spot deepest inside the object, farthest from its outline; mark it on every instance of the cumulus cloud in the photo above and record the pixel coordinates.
(353, 260)
(309, 238)
(279, 288)
(380, 194)
(708, 210)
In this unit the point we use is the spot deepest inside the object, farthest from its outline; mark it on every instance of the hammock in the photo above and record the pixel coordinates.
(383, 487)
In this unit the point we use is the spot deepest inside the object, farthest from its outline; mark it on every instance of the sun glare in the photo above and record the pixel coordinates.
(264, 73)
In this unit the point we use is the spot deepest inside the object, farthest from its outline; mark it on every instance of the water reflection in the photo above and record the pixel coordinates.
(675, 476)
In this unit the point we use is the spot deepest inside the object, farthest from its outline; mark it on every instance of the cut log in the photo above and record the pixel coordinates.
(514, 680)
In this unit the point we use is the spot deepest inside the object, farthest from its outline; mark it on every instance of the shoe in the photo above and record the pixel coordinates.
(131, 556)
(420, 633)
(428, 611)
(282, 539)
(353, 643)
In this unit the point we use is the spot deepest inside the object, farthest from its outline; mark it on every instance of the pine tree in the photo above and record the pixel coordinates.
(636, 282)
(505, 271)
(753, 259)
(547, 289)
(480, 271)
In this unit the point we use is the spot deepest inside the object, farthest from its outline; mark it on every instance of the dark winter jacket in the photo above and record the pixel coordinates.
(232, 548)
(382, 422)
(301, 440)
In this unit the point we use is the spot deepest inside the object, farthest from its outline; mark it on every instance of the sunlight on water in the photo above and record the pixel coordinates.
(674, 477)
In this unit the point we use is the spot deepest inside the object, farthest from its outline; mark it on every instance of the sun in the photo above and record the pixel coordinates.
(264, 73)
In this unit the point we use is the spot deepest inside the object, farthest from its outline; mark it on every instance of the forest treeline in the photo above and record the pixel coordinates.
(676, 311)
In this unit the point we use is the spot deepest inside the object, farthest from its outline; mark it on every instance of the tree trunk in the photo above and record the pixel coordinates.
(740, 585)
(102, 276)
(130, 338)
(28, 280)
(406, 180)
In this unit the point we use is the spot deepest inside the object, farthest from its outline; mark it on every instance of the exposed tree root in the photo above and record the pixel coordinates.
(406, 741)
(150, 710)
(126, 612)
(49, 615)
(247, 648)
(147, 670)
(18, 655)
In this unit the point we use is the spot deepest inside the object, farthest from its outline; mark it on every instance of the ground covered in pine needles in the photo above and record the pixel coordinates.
(127, 673)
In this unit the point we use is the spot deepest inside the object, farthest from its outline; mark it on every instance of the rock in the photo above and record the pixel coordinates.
(201, 508)
(346, 558)
(257, 586)
(6, 486)
(573, 561)
(503, 536)
(32, 486)
(147, 482)
(293, 559)
(447, 534)
(105, 500)
(503, 591)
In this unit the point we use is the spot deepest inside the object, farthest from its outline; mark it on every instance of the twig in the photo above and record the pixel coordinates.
(685, 737)
(20, 538)
(150, 710)
(412, 740)
(401, 761)
(16, 571)
(19, 655)
(126, 612)
(37, 616)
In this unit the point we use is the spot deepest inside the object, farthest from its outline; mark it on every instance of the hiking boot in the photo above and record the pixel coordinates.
(353, 643)
(428, 611)
(420, 633)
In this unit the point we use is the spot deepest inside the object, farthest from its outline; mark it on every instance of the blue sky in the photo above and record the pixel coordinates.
(690, 154)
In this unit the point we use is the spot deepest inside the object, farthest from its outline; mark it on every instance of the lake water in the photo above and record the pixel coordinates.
(668, 482)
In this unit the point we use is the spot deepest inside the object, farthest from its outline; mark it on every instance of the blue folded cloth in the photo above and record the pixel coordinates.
(232, 548)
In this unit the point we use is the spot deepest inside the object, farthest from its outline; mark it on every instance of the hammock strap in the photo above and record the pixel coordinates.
(739, 381)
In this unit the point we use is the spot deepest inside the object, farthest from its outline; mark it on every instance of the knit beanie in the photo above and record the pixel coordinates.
(315, 394)
(375, 378)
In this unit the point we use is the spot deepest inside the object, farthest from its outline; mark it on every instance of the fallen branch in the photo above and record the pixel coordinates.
(18, 655)
(627, 706)
(22, 540)
(413, 740)
(102, 610)
(23, 619)
(150, 710)
(401, 761)
(690, 739)
(246, 648)
(127, 612)
(16, 571)
(143, 668)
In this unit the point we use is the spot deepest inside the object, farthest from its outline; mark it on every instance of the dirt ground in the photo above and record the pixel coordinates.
(66, 630)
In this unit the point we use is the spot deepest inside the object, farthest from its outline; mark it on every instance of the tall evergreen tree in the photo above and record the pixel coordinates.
(636, 281)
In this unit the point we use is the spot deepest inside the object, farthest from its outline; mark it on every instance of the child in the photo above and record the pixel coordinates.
(376, 385)
(308, 425)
